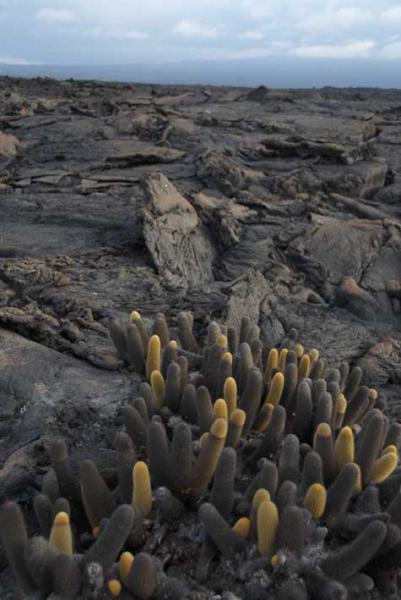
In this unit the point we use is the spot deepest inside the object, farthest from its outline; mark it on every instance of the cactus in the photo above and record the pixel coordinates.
(142, 577)
(142, 490)
(61, 534)
(275, 390)
(267, 527)
(153, 362)
(315, 500)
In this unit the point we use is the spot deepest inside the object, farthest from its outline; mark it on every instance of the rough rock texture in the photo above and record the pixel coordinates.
(282, 205)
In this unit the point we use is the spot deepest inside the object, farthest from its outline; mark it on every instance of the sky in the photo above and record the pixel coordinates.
(99, 32)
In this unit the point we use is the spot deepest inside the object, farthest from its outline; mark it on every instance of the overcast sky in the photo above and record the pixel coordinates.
(127, 31)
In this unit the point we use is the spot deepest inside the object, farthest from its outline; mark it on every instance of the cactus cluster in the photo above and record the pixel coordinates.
(287, 467)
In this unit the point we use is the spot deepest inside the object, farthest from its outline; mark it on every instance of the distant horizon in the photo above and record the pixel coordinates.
(246, 72)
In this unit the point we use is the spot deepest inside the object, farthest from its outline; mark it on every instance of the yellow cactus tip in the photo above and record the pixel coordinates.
(124, 564)
(342, 405)
(141, 468)
(383, 467)
(261, 495)
(238, 417)
(135, 316)
(228, 356)
(346, 432)
(220, 409)
(242, 527)
(219, 428)
(274, 561)
(222, 341)
(391, 449)
(373, 394)
(314, 354)
(323, 430)
(62, 518)
(96, 531)
(173, 344)
(114, 587)
(299, 349)
(315, 500)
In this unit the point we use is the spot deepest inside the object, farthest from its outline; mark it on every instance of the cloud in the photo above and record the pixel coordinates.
(358, 49)
(14, 60)
(252, 34)
(391, 15)
(188, 28)
(56, 15)
(257, 9)
(114, 33)
(329, 20)
(391, 51)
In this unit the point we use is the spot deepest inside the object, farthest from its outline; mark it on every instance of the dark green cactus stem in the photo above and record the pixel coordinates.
(225, 371)
(317, 369)
(142, 577)
(161, 329)
(304, 411)
(126, 459)
(292, 530)
(15, 538)
(341, 491)
(227, 541)
(140, 405)
(170, 354)
(245, 328)
(98, 499)
(222, 495)
(357, 407)
(349, 560)
(173, 387)
(288, 461)
(251, 396)
(38, 557)
(188, 405)
(394, 436)
(182, 362)
(43, 509)
(369, 444)
(324, 409)
(266, 478)
(333, 389)
(181, 460)
(66, 577)
(212, 367)
(205, 409)
(344, 372)
(118, 333)
(288, 397)
(145, 391)
(50, 486)
(135, 350)
(319, 387)
(113, 537)
(286, 496)
(312, 471)
(245, 365)
(168, 506)
(158, 454)
(136, 427)
(232, 337)
(61, 465)
(185, 334)
(324, 446)
(61, 505)
(353, 383)
(273, 435)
